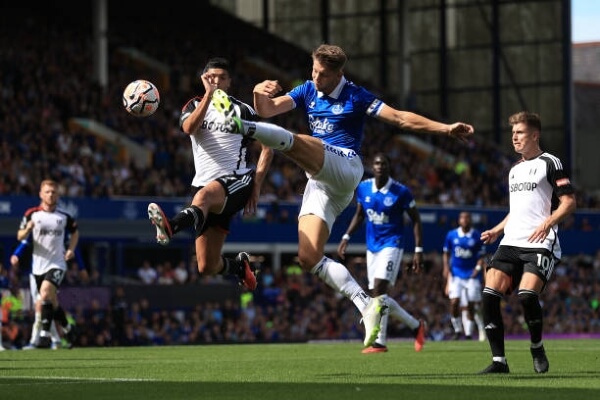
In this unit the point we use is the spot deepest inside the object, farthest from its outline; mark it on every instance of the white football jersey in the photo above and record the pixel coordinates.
(48, 238)
(216, 151)
(535, 186)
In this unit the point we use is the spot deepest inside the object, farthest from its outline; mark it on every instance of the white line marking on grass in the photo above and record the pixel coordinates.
(75, 378)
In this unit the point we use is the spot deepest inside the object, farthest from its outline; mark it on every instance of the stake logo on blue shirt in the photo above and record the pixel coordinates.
(384, 209)
(338, 118)
(465, 249)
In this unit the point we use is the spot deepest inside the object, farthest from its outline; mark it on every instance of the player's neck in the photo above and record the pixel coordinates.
(530, 155)
(381, 181)
(48, 207)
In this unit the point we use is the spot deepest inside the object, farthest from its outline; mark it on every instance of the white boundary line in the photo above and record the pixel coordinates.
(74, 378)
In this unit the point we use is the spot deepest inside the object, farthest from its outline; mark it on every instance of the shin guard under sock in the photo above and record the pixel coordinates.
(492, 319)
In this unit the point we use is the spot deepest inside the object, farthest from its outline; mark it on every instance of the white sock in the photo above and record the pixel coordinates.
(399, 313)
(468, 324)
(479, 320)
(382, 336)
(35, 329)
(456, 324)
(270, 135)
(337, 276)
(54, 333)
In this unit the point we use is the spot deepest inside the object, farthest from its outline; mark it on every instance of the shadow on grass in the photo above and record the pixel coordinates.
(48, 389)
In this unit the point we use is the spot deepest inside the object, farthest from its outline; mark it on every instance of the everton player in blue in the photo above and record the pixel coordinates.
(382, 201)
(330, 155)
(463, 263)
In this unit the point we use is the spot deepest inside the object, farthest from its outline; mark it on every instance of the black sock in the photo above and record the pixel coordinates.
(191, 216)
(230, 267)
(532, 310)
(492, 320)
(47, 315)
(61, 317)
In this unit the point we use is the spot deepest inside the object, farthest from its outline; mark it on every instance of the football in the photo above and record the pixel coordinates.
(141, 98)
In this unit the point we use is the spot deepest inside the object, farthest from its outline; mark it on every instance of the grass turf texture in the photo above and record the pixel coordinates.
(443, 370)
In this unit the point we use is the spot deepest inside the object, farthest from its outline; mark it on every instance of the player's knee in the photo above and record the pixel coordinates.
(528, 299)
(307, 260)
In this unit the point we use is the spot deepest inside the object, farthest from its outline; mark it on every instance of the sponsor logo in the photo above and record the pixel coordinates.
(349, 154)
(130, 210)
(377, 218)
(523, 187)
(4, 207)
(459, 252)
(320, 126)
(51, 232)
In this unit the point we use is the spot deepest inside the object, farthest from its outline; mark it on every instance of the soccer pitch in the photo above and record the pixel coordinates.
(443, 370)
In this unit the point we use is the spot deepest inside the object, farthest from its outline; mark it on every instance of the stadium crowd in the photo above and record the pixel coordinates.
(291, 306)
(41, 93)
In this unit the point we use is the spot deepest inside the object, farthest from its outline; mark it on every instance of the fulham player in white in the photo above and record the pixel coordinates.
(541, 196)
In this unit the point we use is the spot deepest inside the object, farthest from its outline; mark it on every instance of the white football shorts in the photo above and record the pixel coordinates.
(468, 290)
(330, 191)
(385, 264)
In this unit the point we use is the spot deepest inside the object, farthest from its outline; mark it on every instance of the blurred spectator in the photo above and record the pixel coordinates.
(180, 274)
(147, 274)
(166, 275)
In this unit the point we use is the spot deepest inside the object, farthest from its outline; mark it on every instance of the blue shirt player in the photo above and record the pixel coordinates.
(463, 260)
(381, 203)
(336, 110)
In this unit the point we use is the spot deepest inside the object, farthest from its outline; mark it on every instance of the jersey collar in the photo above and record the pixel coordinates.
(463, 234)
(336, 92)
(385, 188)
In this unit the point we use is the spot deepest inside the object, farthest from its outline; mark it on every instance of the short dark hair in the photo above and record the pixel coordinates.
(217, 62)
(383, 156)
(530, 119)
(330, 56)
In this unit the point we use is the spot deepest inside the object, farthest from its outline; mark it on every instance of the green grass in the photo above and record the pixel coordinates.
(443, 370)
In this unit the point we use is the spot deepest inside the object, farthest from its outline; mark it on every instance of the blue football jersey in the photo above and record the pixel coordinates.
(464, 249)
(338, 118)
(384, 212)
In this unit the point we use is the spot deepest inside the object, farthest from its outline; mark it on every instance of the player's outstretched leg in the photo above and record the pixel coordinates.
(420, 336)
(160, 221)
(372, 319)
(248, 271)
(220, 100)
